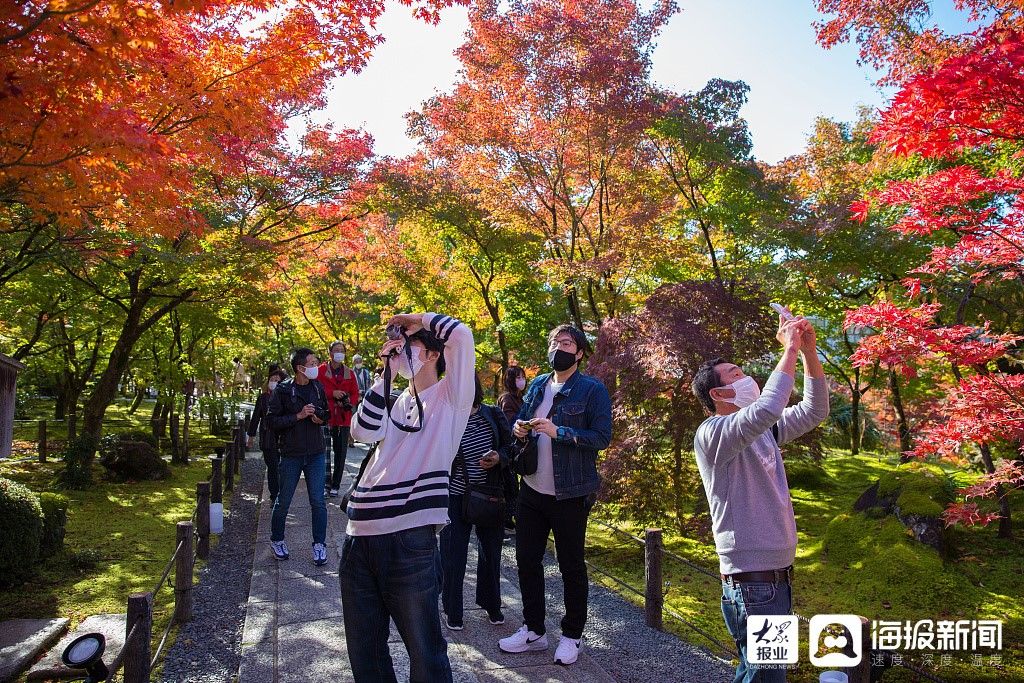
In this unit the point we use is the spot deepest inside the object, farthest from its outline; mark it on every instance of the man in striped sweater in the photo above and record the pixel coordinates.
(389, 559)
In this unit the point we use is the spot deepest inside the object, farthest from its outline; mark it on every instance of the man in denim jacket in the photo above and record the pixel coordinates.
(570, 416)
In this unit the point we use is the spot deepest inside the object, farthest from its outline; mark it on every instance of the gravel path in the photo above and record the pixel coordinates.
(619, 640)
(208, 648)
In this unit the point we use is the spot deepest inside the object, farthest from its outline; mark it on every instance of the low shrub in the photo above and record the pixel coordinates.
(21, 531)
(78, 455)
(55, 519)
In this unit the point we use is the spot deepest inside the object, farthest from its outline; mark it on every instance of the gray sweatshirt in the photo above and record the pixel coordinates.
(744, 479)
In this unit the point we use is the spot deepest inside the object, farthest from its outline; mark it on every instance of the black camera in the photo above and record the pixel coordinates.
(345, 403)
(394, 332)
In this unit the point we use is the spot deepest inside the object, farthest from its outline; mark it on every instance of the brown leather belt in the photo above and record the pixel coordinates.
(773, 576)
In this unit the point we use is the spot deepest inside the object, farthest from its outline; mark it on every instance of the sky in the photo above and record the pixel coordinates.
(769, 45)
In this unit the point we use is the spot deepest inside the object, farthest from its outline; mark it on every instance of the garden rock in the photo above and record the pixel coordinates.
(135, 460)
(916, 495)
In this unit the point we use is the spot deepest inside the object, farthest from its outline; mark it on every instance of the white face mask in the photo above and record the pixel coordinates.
(311, 372)
(403, 364)
(746, 390)
(271, 385)
(338, 357)
(521, 383)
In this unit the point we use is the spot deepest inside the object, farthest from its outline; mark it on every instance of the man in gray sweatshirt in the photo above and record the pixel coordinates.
(737, 451)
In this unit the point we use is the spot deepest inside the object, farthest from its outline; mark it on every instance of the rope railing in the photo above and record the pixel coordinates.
(655, 607)
(169, 567)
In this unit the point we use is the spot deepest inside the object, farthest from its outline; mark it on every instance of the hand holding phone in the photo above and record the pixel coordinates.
(782, 311)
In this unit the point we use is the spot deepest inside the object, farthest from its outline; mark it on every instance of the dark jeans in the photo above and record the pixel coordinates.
(538, 516)
(339, 444)
(752, 599)
(272, 459)
(312, 466)
(510, 484)
(454, 551)
(393, 576)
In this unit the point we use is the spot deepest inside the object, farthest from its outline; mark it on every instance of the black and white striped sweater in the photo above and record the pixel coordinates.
(405, 484)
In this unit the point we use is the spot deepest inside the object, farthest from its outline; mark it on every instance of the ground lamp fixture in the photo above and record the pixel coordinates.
(86, 652)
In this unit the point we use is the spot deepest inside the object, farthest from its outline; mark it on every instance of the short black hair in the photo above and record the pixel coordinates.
(577, 336)
(299, 355)
(276, 370)
(478, 393)
(704, 380)
(431, 343)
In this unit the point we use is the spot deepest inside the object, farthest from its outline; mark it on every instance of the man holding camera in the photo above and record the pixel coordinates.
(298, 410)
(342, 389)
(390, 557)
(566, 418)
(740, 464)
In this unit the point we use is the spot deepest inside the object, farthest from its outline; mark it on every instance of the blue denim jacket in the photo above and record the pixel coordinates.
(584, 420)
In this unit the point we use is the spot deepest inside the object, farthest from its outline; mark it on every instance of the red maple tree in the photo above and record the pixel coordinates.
(957, 120)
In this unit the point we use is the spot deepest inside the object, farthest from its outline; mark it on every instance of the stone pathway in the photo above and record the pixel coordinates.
(294, 629)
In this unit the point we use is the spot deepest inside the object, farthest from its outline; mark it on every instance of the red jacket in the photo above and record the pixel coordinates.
(344, 380)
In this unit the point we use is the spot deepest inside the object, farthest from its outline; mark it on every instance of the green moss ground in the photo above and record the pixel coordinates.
(129, 526)
(853, 563)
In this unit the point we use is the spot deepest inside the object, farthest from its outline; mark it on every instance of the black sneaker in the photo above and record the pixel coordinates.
(452, 625)
(496, 617)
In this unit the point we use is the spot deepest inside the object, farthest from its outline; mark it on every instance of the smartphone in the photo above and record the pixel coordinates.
(783, 311)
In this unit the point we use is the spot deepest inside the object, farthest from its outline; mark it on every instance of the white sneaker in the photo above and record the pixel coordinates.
(280, 550)
(319, 554)
(522, 640)
(568, 650)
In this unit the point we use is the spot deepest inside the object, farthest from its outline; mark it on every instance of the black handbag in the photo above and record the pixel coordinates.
(483, 505)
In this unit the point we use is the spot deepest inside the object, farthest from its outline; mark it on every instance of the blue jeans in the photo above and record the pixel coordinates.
(751, 599)
(312, 466)
(393, 576)
(454, 552)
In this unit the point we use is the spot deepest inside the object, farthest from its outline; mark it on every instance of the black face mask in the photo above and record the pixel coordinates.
(561, 360)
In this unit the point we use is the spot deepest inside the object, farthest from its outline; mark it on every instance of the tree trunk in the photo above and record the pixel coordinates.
(902, 426)
(178, 456)
(140, 393)
(72, 412)
(1005, 522)
(165, 415)
(60, 410)
(105, 391)
(855, 431)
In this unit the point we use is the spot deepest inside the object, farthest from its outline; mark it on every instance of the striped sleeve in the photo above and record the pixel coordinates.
(459, 357)
(370, 421)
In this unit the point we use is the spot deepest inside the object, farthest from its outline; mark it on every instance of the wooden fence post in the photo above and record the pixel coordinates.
(653, 597)
(216, 493)
(862, 672)
(236, 434)
(203, 519)
(137, 650)
(42, 441)
(183, 574)
(229, 466)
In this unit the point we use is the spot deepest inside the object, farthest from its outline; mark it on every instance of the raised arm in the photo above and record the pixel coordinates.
(459, 357)
(369, 424)
(813, 408)
(727, 435)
